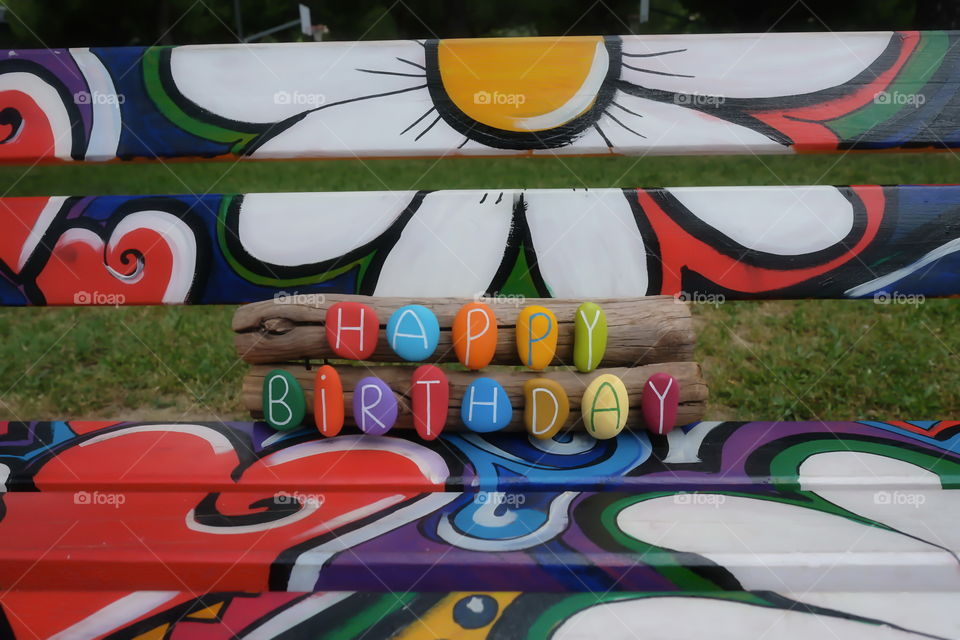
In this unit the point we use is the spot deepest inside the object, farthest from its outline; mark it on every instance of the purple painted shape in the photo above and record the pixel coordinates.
(374, 406)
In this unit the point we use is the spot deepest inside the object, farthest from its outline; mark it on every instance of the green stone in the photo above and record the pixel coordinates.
(589, 336)
(284, 404)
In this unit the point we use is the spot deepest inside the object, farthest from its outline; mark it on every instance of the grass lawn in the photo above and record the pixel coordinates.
(768, 360)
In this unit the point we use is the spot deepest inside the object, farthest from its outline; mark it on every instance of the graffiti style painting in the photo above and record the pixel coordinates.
(762, 93)
(714, 507)
(173, 615)
(739, 242)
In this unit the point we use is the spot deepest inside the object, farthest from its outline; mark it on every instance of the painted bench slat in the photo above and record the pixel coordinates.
(794, 506)
(705, 244)
(479, 614)
(630, 95)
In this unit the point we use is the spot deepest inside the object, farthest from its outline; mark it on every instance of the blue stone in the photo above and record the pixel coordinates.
(486, 406)
(413, 332)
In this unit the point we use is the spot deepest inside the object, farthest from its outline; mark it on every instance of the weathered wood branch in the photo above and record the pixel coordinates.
(693, 389)
(639, 330)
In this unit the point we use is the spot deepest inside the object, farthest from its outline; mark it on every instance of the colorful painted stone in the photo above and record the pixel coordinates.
(413, 332)
(605, 406)
(536, 337)
(431, 399)
(545, 408)
(475, 335)
(589, 336)
(352, 330)
(328, 401)
(659, 402)
(486, 406)
(374, 406)
(284, 403)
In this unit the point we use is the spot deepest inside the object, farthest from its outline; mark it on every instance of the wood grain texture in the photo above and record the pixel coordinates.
(639, 331)
(693, 389)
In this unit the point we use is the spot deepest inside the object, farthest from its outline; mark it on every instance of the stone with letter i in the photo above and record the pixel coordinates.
(284, 403)
(546, 407)
(536, 337)
(659, 401)
(605, 406)
(486, 406)
(374, 406)
(589, 337)
(413, 332)
(475, 335)
(430, 394)
(328, 401)
(352, 330)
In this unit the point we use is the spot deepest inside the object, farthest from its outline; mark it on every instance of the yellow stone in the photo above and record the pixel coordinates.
(546, 407)
(605, 406)
(536, 337)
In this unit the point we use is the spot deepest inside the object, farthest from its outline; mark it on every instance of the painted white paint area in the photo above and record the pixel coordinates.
(218, 442)
(933, 613)
(769, 545)
(751, 65)
(266, 83)
(291, 229)
(901, 495)
(105, 133)
(116, 614)
(678, 617)
(672, 128)
(43, 222)
(452, 246)
(47, 98)
(295, 615)
(587, 243)
(782, 220)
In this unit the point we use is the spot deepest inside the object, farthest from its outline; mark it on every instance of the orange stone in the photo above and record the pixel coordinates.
(328, 401)
(536, 337)
(475, 335)
(546, 407)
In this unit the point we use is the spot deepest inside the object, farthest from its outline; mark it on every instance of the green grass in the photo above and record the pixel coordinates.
(770, 360)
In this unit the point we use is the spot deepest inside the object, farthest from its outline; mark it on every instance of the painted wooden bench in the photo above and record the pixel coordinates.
(160, 530)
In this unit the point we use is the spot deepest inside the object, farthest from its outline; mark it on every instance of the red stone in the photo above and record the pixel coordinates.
(328, 401)
(431, 396)
(352, 330)
(659, 402)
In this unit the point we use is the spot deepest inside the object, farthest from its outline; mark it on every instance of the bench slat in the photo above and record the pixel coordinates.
(480, 614)
(705, 244)
(630, 95)
(729, 506)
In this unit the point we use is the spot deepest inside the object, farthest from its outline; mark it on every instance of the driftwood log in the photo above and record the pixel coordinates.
(639, 331)
(693, 388)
